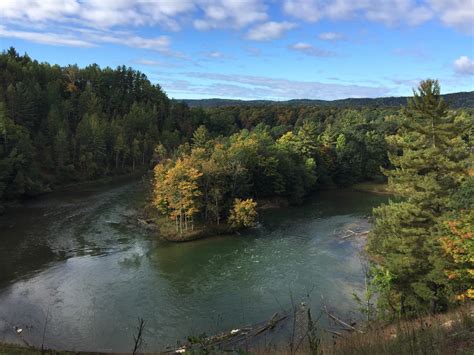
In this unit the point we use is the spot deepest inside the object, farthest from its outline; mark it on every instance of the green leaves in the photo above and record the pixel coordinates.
(243, 213)
(429, 163)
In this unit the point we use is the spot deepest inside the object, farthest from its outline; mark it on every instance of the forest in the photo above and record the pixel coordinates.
(455, 100)
(213, 166)
(62, 125)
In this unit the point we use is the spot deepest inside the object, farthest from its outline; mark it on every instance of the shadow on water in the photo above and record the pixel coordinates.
(56, 227)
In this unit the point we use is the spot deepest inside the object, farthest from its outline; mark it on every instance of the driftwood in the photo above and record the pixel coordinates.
(351, 233)
(344, 324)
(235, 338)
(251, 336)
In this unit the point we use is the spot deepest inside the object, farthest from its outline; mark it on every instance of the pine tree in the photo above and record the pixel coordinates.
(201, 137)
(429, 161)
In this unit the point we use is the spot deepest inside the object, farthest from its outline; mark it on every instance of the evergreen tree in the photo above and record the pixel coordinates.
(429, 161)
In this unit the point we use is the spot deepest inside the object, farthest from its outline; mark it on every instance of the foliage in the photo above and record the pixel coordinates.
(67, 124)
(458, 245)
(243, 213)
(430, 162)
(72, 124)
(176, 192)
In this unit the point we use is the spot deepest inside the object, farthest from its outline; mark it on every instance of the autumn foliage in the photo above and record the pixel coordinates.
(243, 214)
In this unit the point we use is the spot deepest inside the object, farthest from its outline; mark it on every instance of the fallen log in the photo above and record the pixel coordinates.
(344, 324)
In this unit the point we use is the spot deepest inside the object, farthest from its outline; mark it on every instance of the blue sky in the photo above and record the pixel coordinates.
(256, 49)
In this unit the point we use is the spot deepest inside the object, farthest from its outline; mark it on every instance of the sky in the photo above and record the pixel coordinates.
(256, 49)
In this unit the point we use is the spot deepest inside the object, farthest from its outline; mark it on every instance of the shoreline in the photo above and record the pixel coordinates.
(150, 220)
(5, 206)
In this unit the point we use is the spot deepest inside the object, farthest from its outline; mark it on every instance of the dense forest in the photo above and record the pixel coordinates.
(212, 166)
(60, 125)
(421, 247)
(66, 124)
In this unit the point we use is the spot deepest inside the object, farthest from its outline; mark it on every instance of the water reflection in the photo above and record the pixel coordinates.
(73, 257)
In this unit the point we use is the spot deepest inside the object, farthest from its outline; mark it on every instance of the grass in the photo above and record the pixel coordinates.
(443, 334)
(450, 333)
(7, 349)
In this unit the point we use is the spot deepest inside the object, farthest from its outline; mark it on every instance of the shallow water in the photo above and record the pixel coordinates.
(70, 257)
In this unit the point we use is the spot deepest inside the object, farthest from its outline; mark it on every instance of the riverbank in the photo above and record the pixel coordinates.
(167, 229)
(5, 206)
(150, 219)
(443, 334)
(440, 334)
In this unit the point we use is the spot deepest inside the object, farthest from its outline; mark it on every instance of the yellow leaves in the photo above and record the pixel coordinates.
(462, 296)
(458, 245)
(176, 190)
(243, 213)
(286, 139)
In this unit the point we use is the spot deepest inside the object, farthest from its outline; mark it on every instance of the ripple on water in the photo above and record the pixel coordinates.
(96, 276)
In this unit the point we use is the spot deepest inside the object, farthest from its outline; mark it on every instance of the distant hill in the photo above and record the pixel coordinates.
(455, 100)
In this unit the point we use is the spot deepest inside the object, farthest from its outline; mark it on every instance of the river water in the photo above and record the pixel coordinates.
(70, 258)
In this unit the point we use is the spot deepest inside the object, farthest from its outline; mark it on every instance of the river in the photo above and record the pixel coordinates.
(69, 257)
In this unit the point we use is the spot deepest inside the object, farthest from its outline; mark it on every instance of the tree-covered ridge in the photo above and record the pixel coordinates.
(66, 124)
(455, 100)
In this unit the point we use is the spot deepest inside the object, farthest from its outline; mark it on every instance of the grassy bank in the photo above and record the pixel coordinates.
(442, 334)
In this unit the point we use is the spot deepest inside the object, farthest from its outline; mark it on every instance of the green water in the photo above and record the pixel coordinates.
(71, 256)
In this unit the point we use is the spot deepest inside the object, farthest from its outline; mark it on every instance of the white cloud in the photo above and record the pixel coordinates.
(230, 13)
(111, 13)
(454, 13)
(259, 87)
(394, 12)
(389, 12)
(91, 38)
(149, 62)
(269, 30)
(37, 10)
(215, 54)
(54, 39)
(160, 43)
(331, 36)
(309, 49)
(464, 65)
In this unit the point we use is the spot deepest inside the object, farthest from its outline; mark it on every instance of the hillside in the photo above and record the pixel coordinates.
(455, 100)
